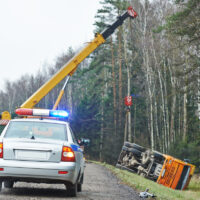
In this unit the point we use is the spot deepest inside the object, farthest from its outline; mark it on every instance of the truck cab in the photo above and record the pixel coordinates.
(175, 173)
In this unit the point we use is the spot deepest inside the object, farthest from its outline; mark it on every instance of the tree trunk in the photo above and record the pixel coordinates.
(185, 104)
(173, 107)
(156, 124)
(102, 120)
(166, 108)
(148, 69)
(120, 76)
(125, 128)
(114, 89)
(184, 115)
(129, 125)
(134, 121)
(102, 132)
(128, 88)
(150, 96)
(179, 118)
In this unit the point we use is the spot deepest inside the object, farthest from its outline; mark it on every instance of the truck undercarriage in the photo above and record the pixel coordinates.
(163, 169)
(140, 160)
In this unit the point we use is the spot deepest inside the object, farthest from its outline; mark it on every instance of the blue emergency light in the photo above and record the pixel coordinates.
(58, 113)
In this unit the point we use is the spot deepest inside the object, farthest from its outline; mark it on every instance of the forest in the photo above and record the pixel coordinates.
(155, 59)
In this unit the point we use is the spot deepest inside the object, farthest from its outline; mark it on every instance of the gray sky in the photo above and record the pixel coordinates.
(34, 32)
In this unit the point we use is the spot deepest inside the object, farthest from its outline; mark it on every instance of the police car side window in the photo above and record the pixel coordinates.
(73, 137)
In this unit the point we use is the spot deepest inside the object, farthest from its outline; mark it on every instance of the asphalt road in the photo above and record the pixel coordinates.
(99, 184)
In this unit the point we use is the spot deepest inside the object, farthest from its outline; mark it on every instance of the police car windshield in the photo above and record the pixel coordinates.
(36, 130)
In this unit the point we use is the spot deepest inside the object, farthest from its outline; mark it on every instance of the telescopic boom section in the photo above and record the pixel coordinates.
(109, 31)
(70, 67)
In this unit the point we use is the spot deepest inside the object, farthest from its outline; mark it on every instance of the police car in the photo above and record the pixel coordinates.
(41, 150)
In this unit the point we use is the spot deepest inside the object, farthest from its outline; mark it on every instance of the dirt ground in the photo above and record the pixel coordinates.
(99, 184)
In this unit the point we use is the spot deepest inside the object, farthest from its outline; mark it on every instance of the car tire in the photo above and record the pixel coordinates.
(0, 186)
(79, 187)
(72, 190)
(135, 146)
(8, 184)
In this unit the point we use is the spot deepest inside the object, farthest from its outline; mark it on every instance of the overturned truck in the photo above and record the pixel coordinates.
(163, 169)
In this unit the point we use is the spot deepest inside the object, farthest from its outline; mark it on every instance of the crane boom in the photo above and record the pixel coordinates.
(70, 67)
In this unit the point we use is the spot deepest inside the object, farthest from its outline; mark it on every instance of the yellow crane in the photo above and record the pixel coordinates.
(70, 67)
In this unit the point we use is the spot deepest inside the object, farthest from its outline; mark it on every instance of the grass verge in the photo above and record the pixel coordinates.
(140, 184)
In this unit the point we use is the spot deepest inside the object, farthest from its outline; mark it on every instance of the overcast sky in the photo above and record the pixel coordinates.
(34, 32)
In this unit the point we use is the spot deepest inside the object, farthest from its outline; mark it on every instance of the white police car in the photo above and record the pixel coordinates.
(41, 150)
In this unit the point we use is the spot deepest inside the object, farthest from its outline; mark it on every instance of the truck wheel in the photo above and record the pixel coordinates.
(158, 156)
(124, 148)
(8, 184)
(135, 152)
(121, 156)
(135, 146)
(72, 190)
